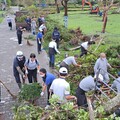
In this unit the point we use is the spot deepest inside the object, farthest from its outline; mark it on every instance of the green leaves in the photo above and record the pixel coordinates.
(30, 92)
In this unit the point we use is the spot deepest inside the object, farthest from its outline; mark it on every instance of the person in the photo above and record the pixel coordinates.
(52, 51)
(40, 21)
(47, 79)
(101, 66)
(71, 60)
(39, 40)
(56, 36)
(85, 85)
(28, 21)
(116, 83)
(31, 68)
(33, 26)
(9, 21)
(19, 35)
(18, 68)
(43, 27)
(84, 47)
(61, 88)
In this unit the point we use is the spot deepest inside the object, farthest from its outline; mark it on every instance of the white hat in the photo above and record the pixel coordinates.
(63, 70)
(40, 29)
(100, 77)
(19, 53)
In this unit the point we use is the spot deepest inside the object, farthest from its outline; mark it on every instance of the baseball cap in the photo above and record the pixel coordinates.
(63, 70)
(100, 77)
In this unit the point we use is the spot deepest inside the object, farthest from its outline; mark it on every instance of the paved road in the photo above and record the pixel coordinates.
(8, 49)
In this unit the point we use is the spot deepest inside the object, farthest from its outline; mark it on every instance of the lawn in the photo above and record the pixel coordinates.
(1, 17)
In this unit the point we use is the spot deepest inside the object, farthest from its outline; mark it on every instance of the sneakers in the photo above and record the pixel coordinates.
(2, 102)
(47, 107)
(20, 44)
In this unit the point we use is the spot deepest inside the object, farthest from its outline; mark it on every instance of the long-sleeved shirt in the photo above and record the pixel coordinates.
(53, 44)
(101, 64)
(70, 60)
(87, 83)
(116, 84)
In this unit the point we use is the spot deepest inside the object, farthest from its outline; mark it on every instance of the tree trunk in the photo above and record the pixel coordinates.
(112, 104)
(104, 23)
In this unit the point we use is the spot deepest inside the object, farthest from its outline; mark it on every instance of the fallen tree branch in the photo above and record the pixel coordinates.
(8, 90)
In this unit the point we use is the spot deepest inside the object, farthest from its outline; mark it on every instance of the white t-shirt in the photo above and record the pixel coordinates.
(85, 45)
(60, 88)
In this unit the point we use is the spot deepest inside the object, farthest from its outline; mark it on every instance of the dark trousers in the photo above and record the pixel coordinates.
(19, 36)
(57, 42)
(83, 51)
(63, 64)
(17, 78)
(48, 94)
(81, 98)
(10, 25)
(38, 47)
(32, 75)
(52, 59)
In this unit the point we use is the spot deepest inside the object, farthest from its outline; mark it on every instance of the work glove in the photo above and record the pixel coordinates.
(42, 93)
(26, 72)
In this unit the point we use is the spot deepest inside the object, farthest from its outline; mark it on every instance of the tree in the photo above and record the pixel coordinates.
(64, 4)
(105, 15)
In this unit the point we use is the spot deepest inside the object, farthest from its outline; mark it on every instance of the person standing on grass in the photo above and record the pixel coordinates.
(101, 66)
(32, 67)
(9, 21)
(18, 68)
(43, 27)
(52, 51)
(39, 40)
(47, 79)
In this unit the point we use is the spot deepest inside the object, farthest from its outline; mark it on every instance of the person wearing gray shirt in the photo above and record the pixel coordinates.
(116, 83)
(71, 60)
(101, 66)
(85, 85)
(31, 68)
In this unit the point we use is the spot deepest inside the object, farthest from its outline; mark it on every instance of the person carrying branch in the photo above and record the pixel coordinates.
(84, 47)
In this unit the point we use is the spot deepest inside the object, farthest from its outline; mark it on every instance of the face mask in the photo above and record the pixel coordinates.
(103, 58)
(42, 75)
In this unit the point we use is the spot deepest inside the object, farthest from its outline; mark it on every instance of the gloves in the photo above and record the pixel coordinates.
(42, 93)
(26, 72)
(38, 71)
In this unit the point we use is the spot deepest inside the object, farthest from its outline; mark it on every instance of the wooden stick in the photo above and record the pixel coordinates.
(8, 90)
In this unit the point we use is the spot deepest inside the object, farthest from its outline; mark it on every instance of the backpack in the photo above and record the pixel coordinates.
(35, 61)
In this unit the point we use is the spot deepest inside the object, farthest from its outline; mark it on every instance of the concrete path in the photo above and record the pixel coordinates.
(8, 49)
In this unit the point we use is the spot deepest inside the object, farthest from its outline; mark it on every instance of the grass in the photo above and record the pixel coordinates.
(91, 24)
(1, 17)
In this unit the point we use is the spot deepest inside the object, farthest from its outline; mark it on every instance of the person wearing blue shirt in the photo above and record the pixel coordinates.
(28, 21)
(47, 79)
(39, 40)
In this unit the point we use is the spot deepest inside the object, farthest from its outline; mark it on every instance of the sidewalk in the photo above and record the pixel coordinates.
(8, 49)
